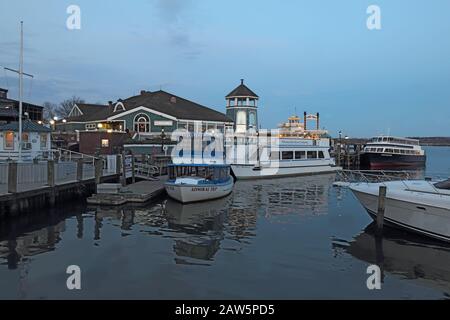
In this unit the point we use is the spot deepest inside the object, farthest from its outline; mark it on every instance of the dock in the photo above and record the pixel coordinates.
(139, 192)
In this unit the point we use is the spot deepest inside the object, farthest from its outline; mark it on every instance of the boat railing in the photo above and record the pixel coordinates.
(345, 177)
(372, 176)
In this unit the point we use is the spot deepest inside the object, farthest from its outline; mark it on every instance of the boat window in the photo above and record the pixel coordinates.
(287, 155)
(380, 150)
(312, 154)
(396, 151)
(443, 184)
(321, 155)
(389, 151)
(384, 139)
(300, 154)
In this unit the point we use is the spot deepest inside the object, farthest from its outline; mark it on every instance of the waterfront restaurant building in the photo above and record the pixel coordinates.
(143, 117)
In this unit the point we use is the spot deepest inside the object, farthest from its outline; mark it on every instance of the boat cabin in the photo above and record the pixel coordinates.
(207, 173)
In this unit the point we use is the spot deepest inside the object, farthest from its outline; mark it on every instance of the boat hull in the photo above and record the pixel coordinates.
(384, 161)
(416, 216)
(248, 172)
(187, 193)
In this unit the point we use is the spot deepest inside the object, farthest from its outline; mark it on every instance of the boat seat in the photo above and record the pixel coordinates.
(443, 184)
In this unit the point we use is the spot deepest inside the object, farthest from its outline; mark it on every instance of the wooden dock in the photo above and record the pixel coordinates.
(139, 192)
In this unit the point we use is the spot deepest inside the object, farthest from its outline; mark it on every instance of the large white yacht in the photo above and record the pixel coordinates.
(292, 151)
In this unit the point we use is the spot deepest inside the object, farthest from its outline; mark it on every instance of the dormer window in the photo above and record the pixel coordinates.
(119, 107)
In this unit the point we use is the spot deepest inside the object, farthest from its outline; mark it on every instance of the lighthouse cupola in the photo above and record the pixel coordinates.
(242, 107)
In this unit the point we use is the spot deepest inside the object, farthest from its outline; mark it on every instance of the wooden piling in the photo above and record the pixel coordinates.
(381, 207)
(12, 177)
(124, 170)
(80, 170)
(51, 182)
(133, 167)
(98, 168)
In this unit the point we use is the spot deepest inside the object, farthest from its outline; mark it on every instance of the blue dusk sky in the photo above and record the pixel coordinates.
(317, 56)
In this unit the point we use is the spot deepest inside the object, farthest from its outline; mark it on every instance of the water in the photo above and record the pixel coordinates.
(295, 238)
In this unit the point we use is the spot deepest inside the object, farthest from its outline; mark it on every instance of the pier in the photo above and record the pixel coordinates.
(31, 185)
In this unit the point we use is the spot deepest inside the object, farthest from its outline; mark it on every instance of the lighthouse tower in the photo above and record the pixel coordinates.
(242, 107)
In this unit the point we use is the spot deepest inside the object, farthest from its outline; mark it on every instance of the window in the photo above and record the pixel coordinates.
(105, 143)
(43, 141)
(287, 155)
(389, 151)
(9, 140)
(142, 123)
(300, 154)
(321, 155)
(252, 119)
(91, 126)
(274, 155)
(312, 154)
(241, 118)
(25, 139)
(379, 149)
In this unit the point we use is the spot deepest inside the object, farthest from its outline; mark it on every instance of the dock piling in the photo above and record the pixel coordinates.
(12, 177)
(80, 170)
(381, 208)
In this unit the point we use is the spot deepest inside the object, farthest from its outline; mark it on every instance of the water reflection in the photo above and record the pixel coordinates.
(402, 253)
(26, 237)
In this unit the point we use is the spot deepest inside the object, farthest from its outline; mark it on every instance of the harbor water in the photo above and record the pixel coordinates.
(292, 238)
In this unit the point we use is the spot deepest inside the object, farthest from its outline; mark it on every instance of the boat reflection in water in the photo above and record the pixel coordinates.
(304, 195)
(199, 226)
(404, 254)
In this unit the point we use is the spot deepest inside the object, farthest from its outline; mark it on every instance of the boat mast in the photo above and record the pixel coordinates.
(20, 90)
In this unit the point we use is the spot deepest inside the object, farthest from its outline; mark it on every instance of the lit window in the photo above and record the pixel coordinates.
(142, 123)
(9, 140)
(105, 143)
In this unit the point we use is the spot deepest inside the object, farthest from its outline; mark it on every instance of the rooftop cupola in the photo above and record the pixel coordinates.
(242, 105)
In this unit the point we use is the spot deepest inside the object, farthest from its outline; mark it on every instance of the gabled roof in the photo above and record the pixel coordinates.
(242, 91)
(27, 126)
(159, 101)
(175, 106)
(91, 112)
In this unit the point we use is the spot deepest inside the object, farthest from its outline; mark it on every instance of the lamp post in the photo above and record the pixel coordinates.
(339, 148)
(163, 135)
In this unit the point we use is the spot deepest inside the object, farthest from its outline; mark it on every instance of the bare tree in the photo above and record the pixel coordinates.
(66, 106)
(50, 110)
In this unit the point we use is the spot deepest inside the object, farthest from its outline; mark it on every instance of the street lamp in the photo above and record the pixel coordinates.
(163, 135)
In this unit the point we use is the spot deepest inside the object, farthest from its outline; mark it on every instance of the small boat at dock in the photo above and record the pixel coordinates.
(198, 182)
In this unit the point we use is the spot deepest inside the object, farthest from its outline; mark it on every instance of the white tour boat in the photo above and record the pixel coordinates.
(198, 182)
(293, 151)
(416, 205)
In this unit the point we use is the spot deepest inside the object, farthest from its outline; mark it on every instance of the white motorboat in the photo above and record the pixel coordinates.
(198, 182)
(416, 205)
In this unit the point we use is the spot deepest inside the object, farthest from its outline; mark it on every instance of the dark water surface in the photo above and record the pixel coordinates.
(291, 238)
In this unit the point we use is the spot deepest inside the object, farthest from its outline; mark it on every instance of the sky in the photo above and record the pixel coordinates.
(314, 56)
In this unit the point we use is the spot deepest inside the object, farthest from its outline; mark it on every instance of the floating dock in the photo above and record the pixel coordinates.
(139, 192)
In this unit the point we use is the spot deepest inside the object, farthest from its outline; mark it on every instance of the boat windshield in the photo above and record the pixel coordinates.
(443, 184)
(212, 173)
